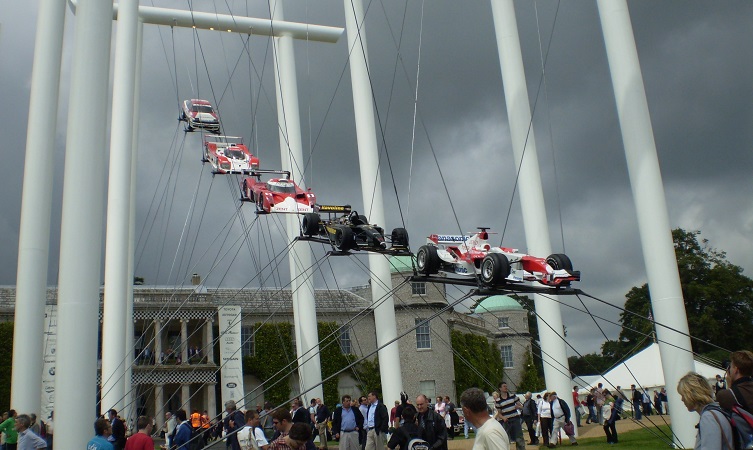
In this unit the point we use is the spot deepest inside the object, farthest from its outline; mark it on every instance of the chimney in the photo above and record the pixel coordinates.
(196, 279)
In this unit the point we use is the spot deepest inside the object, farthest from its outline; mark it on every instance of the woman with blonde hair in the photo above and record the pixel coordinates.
(714, 430)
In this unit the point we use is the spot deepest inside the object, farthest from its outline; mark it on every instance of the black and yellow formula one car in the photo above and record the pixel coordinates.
(347, 230)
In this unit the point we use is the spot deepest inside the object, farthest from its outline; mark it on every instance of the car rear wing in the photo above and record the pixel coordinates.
(223, 140)
(341, 209)
(258, 172)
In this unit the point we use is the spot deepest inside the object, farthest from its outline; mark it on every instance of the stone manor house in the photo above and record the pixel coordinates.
(179, 327)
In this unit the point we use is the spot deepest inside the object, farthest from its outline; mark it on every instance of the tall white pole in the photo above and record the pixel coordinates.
(651, 207)
(549, 316)
(130, 407)
(114, 316)
(371, 186)
(300, 258)
(36, 207)
(81, 229)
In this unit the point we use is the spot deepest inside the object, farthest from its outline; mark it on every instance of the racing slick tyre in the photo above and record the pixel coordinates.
(400, 237)
(559, 261)
(427, 260)
(260, 205)
(495, 267)
(344, 239)
(310, 224)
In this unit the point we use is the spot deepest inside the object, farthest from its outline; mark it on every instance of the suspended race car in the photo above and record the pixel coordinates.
(228, 154)
(278, 195)
(352, 231)
(200, 114)
(472, 256)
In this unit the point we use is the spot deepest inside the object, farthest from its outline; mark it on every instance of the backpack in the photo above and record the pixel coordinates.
(741, 423)
(418, 444)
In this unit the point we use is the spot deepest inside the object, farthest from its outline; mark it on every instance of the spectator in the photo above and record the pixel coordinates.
(545, 419)
(102, 430)
(27, 439)
(740, 370)
(576, 405)
(404, 434)
(452, 417)
(657, 403)
(646, 403)
(322, 417)
(182, 435)
(233, 422)
(560, 416)
(252, 436)
(143, 439)
(720, 384)
(266, 421)
(714, 427)
(346, 423)
(117, 436)
(591, 404)
(529, 414)
(9, 428)
(610, 428)
(636, 398)
(508, 407)
(434, 430)
(489, 435)
(377, 422)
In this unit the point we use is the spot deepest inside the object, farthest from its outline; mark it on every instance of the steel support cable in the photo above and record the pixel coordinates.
(231, 183)
(154, 197)
(549, 121)
(359, 28)
(415, 106)
(170, 204)
(175, 65)
(668, 441)
(657, 323)
(172, 316)
(186, 228)
(530, 125)
(198, 230)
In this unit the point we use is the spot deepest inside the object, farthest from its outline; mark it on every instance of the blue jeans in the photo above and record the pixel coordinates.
(466, 426)
(637, 409)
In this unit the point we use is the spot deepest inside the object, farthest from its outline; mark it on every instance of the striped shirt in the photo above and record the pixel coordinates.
(506, 406)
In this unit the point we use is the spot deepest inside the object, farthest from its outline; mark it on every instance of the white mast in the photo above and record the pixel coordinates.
(300, 257)
(371, 187)
(651, 208)
(36, 209)
(549, 316)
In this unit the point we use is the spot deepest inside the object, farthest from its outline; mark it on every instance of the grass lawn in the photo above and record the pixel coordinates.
(644, 439)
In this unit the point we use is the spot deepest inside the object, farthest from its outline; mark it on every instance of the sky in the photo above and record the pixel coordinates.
(697, 63)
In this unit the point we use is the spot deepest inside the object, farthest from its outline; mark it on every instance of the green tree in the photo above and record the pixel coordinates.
(718, 301)
(271, 361)
(589, 364)
(530, 379)
(332, 359)
(478, 363)
(367, 374)
(533, 330)
(6, 356)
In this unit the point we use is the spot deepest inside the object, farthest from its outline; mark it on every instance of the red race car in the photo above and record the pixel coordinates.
(278, 195)
(200, 114)
(227, 154)
(473, 257)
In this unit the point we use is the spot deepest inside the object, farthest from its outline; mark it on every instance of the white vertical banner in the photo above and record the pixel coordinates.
(231, 372)
(48, 368)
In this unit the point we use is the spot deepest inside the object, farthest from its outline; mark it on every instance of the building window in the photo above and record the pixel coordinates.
(418, 288)
(345, 346)
(428, 388)
(506, 351)
(247, 341)
(503, 322)
(423, 334)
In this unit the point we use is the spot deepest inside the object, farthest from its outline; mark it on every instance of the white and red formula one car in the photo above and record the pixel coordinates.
(473, 257)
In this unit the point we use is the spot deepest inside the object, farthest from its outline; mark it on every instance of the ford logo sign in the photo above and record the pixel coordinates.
(231, 385)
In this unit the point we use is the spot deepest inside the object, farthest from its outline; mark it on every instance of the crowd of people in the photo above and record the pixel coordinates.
(366, 424)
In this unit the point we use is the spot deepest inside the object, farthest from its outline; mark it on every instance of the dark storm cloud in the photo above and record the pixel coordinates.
(695, 59)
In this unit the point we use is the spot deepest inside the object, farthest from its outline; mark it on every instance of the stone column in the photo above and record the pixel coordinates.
(159, 404)
(209, 342)
(211, 399)
(185, 397)
(157, 341)
(184, 340)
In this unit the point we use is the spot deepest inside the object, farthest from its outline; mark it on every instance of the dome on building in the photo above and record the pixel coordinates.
(497, 303)
(401, 264)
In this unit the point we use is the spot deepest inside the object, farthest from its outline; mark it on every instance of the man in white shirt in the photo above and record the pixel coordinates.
(251, 436)
(489, 433)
